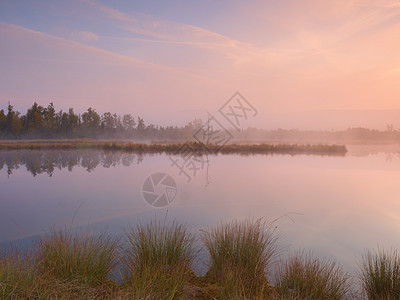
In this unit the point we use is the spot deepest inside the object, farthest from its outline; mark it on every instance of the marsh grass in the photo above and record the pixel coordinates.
(16, 275)
(379, 274)
(305, 277)
(82, 258)
(158, 259)
(240, 253)
(195, 147)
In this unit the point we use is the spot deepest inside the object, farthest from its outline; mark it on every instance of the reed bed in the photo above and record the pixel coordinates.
(156, 261)
(195, 147)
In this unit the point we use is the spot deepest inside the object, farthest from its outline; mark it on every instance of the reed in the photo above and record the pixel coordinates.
(379, 274)
(16, 275)
(83, 258)
(158, 259)
(306, 277)
(240, 253)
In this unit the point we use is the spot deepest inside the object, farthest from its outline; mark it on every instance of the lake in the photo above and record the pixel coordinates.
(335, 206)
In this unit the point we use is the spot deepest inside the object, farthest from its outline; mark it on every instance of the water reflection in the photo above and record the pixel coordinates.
(46, 162)
(39, 162)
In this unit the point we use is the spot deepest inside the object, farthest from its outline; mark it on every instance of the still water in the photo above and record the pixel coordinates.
(335, 206)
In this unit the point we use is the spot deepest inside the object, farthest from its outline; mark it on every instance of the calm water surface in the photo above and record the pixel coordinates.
(335, 206)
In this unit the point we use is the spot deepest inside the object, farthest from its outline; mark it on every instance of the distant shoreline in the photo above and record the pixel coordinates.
(174, 148)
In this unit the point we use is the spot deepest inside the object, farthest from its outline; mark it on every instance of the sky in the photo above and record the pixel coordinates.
(300, 63)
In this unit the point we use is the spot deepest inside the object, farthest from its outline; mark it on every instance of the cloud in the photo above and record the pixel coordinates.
(68, 72)
(135, 25)
(32, 37)
(83, 36)
(171, 32)
(116, 14)
(305, 20)
(325, 54)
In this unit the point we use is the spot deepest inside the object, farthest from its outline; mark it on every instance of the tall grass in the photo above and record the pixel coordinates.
(82, 258)
(305, 277)
(157, 262)
(16, 275)
(158, 259)
(239, 256)
(380, 274)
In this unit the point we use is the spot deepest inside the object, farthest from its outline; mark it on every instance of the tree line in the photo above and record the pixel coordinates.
(46, 122)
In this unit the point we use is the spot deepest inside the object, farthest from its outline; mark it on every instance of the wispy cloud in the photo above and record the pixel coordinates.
(171, 32)
(83, 36)
(53, 67)
(331, 54)
(137, 25)
(116, 14)
(349, 20)
(9, 30)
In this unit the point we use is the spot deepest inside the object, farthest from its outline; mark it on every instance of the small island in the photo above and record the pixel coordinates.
(174, 148)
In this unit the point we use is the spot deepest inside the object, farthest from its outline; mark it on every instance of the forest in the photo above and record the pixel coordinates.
(45, 122)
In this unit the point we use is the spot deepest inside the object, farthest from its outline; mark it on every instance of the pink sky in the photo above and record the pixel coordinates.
(176, 62)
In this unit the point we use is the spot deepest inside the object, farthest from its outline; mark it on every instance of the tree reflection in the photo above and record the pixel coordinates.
(46, 162)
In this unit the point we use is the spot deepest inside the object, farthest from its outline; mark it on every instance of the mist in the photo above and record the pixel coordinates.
(199, 149)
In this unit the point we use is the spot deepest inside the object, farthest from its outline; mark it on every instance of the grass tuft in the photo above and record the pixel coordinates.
(239, 256)
(82, 258)
(380, 274)
(158, 259)
(305, 277)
